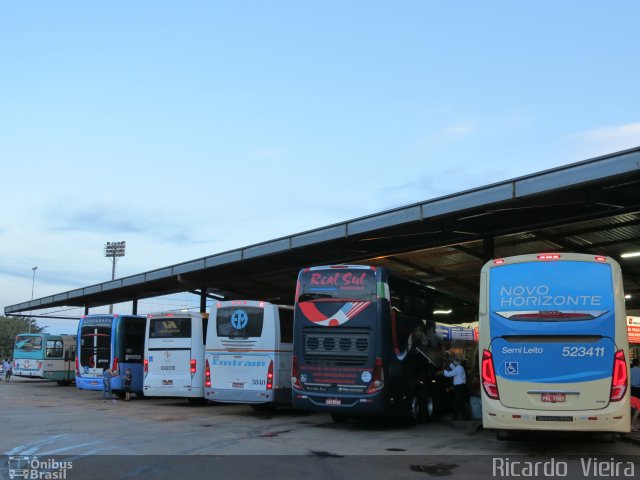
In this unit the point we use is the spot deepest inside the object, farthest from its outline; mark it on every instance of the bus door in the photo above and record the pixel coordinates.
(552, 331)
(242, 359)
(69, 360)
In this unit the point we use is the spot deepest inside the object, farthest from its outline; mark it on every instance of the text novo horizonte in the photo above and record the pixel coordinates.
(541, 296)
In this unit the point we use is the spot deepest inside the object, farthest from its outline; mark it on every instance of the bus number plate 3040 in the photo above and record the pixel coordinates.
(554, 397)
(333, 401)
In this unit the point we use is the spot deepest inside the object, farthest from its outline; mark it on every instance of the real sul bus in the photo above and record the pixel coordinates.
(553, 344)
(41, 355)
(115, 341)
(352, 356)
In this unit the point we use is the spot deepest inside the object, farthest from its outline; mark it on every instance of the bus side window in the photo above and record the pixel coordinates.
(54, 348)
(286, 325)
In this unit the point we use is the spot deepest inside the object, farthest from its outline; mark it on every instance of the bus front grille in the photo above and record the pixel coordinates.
(336, 346)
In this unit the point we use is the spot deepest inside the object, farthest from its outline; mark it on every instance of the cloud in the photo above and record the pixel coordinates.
(460, 130)
(610, 139)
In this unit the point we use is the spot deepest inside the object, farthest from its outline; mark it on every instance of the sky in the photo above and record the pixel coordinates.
(193, 128)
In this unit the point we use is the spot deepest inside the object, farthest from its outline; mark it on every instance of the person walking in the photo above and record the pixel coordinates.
(107, 374)
(8, 370)
(460, 393)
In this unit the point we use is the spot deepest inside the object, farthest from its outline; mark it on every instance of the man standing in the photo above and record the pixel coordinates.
(460, 396)
(107, 373)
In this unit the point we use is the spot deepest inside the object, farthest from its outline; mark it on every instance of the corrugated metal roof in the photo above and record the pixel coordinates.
(591, 206)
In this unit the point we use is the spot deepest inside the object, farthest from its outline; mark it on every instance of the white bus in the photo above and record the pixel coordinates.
(174, 355)
(553, 344)
(248, 357)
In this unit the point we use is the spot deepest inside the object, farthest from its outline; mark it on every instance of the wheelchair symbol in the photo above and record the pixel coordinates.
(239, 319)
(511, 368)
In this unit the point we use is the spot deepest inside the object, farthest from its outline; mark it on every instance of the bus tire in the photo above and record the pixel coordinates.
(428, 407)
(63, 383)
(339, 418)
(196, 401)
(505, 435)
(414, 412)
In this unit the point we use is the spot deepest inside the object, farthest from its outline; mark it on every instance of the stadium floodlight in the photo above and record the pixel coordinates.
(113, 250)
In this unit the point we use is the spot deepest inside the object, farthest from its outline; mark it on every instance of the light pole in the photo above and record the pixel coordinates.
(33, 284)
(114, 250)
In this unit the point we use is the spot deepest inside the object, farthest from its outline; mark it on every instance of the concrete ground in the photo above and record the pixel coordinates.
(155, 437)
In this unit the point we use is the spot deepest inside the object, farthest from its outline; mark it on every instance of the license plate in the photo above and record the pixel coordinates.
(554, 397)
(93, 382)
(333, 401)
(237, 385)
(167, 382)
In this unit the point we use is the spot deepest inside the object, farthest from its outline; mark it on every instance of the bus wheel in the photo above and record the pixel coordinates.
(63, 383)
(428, 408)
(414, 415)
(196, 401)
(505, 435)
(339, 418)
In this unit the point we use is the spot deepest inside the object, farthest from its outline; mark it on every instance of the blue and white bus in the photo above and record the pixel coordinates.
(41, 355)
(553, 344)
(115, 341)
(248, 355)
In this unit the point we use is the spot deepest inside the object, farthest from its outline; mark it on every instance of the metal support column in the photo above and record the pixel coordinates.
(203, 300)
(134, 307)
(488, 251)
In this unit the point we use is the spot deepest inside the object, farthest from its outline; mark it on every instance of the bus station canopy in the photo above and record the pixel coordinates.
(591, 207)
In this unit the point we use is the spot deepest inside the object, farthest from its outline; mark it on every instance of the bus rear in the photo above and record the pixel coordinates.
(553, 344)
(28, 355)
(248, 358)
(338, 360)
(94, 350)
(174, 355)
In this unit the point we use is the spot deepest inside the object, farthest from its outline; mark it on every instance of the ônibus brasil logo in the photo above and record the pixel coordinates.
(33, 468)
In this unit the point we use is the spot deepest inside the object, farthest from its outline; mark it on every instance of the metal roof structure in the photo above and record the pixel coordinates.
(591, 206)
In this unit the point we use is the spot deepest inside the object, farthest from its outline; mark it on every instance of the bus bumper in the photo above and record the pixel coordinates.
(173, 392)
(248, 396)
(347, 405)
(89, 383)
(613, 418)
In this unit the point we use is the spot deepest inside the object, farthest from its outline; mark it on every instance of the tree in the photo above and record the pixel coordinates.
(12, 326)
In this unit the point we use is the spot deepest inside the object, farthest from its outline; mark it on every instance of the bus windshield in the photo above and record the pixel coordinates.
(170, 327)
(95, 343)
(239, 322)
(335, 285)
(28, 343)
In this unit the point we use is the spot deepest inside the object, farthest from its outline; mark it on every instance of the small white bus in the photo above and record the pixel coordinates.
(174, 355)
(248, 356)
